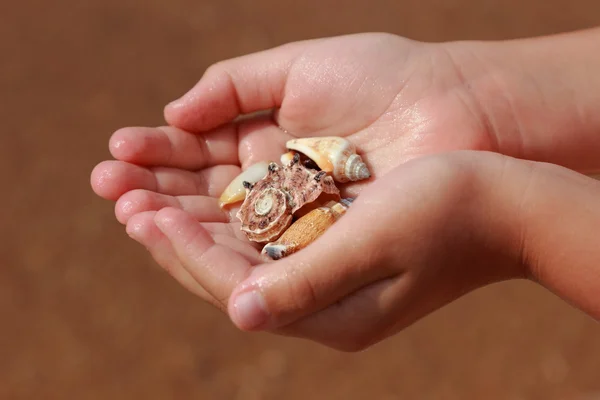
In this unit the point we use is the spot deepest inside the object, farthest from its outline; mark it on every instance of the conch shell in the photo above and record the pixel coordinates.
(334, 155)
(306, 229)
(236, 191)
(271, 202)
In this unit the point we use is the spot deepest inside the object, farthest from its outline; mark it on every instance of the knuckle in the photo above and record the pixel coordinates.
(215, 68)
(138, 200)
(141, 196)
(220, 70)
(131, 203)
(220, 303)
(527, 259)
(300, 288)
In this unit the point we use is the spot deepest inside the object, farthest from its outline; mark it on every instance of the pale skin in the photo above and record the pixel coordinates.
(459, 137)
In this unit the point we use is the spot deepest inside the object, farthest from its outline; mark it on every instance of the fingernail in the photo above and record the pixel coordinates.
(250, 311)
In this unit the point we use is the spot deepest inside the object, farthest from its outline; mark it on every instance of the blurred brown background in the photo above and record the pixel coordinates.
(85, 312)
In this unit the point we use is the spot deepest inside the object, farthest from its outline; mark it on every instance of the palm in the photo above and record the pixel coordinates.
(367, 88)
(393, 98)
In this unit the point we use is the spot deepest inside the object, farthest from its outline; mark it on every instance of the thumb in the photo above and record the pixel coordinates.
(241, 85)
(305, 282)
(383, 233)
(356, 251)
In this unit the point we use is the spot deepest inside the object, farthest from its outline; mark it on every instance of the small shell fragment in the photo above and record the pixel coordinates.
(306, 229)
(287, 158)
(236, 191)
(334, 155)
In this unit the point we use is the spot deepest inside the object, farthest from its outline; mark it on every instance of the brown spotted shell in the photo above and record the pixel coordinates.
(271, 202)
(306, 229)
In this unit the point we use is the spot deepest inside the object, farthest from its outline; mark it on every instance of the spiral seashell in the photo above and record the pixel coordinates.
(306, 230)
(236, 191)
(334, 155)
(270, 203)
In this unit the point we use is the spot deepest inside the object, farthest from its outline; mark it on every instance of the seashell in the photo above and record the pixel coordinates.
(236, 191)
(287, 158)
(306, 229)
(334, 155)
(271, 202)
(323, 199)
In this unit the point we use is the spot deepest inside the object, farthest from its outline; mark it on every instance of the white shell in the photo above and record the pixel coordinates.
(334, 155)
(236, 192)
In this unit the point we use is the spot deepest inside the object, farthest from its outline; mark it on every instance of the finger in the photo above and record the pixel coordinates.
(173, 147)
(202, 208)
(380, 236)
(312, 279)
(112, 179)
(141, 228)
(216, 267)
(242, 247)
(238, 86)
(232, 229)
(515, 220)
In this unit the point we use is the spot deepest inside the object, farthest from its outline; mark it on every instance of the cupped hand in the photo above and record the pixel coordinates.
(395, 99)
(412, 242)
(428, 232)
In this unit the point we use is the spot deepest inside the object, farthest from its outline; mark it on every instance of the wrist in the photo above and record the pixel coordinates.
(535, 221)
(471, 218)
(538, 97)
(491, 218)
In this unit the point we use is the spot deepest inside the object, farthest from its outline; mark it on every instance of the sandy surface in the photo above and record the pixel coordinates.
(87, 315)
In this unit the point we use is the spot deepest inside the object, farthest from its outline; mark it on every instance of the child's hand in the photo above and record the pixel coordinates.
(393, 98)
(428, 232)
